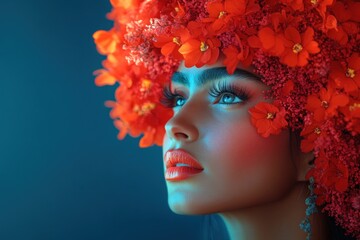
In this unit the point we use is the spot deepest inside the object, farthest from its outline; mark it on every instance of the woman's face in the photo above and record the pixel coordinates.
(211, 122)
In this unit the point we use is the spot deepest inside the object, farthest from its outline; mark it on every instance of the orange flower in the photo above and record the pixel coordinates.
(106, 41)
(135, 116)
(267, 118)
(104, 78)
(117, 67)
(325, 103)
(347, 77)
(170, 44)
(200, 52)
(298, 47)
(122, 10)
(124, 4)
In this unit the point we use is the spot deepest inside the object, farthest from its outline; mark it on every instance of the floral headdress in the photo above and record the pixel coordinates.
(307, 51)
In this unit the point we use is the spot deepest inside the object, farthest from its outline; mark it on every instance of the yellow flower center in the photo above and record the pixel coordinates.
(221, 14)
(317, 131)
(177, 9)
(270, 115)
(325, 104)
(203, 47)
(350, 73)
(314, 2)
(176, 40)
(354, 106)
(297, 48)
(144, 109)
(145, 85)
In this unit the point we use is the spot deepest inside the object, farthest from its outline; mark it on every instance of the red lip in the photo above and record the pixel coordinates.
(177, 173)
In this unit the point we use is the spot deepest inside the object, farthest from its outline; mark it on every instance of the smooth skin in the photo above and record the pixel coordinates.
(257, 185)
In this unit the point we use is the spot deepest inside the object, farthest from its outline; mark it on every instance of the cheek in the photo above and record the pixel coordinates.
(240, 144)
(253, 169)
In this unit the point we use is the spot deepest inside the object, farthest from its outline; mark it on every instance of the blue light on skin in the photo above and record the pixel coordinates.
(256, 185)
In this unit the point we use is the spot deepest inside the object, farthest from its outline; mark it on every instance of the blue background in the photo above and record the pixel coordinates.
(63, 173)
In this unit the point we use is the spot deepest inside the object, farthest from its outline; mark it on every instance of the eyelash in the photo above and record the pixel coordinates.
(169, 98)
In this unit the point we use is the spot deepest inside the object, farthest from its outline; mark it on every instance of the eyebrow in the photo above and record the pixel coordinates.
(212, 74)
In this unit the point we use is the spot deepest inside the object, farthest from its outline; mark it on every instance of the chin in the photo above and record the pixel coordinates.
(182, 207)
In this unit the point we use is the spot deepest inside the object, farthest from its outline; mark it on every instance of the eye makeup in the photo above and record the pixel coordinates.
(223, 88)
(171, 99)
(218, 90)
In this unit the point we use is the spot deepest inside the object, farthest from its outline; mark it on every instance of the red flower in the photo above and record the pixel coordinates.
(272, 38)
(310, 133)
(221, 13)
(321, 6)
(179, 11)
(331, 172)
(268, 118)
(298, 47)
(272, 42)
(347, 21)
(352, 114)
(336, 175)
(294, 4)
(325, 103)
(200, 52)
(170, 44)
(233, 56)
(347, 77)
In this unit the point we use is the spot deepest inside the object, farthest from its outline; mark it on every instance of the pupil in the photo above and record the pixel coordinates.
(228, 98)
(179, 102)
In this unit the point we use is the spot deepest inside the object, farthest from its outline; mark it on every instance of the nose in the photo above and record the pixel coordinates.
(182, 126)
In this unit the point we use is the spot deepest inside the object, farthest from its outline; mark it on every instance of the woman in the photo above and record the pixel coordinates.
(262, 108)
(251, 181)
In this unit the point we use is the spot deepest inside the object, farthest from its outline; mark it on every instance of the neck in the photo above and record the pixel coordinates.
(275, 220)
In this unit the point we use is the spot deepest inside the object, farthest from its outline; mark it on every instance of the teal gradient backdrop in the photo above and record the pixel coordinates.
(63, 173)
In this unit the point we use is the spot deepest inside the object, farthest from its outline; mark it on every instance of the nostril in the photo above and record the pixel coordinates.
(181, 135)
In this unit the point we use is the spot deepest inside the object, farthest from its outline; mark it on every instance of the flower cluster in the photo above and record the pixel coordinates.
(307, 52)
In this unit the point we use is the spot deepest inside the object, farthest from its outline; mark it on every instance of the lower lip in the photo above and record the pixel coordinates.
(180, 173)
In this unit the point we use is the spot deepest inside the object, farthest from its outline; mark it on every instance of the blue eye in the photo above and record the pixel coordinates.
(170, 99)
(226, 93)
(223, 92)
(229, 98)
(179, 101)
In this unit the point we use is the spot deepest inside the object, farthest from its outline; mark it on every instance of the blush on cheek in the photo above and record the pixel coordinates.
(243, 151)
(240, 146)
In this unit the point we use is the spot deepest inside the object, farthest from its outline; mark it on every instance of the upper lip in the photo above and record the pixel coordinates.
(175, 156)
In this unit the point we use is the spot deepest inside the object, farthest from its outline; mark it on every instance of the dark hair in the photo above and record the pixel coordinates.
(336, 232)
